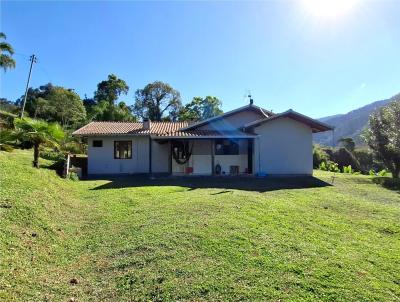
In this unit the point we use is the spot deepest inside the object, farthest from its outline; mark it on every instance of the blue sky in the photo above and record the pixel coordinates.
(284, 53)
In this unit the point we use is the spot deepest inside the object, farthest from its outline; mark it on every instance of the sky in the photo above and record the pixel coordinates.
(318, 60)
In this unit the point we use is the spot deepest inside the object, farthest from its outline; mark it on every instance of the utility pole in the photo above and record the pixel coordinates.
(33, 60)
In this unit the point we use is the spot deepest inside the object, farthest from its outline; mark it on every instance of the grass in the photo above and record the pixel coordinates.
(177, 240)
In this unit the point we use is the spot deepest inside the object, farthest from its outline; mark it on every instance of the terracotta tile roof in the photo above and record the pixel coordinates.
(201, 133)
(127, 128)
(161, 129)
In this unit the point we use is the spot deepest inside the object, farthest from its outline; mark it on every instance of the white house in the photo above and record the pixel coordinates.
(247, 140)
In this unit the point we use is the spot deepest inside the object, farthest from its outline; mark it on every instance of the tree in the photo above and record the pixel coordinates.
(38, 132)
(6, 52)
(103, 106)
(9, 106)
(383, 136)
(201, 108)
(32, 97)
(63, 106)
(55, 104)
(157, 101)
(348, 143)
(42, 105)
(110, 89)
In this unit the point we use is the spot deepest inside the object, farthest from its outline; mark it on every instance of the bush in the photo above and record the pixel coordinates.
(6, 120)
(319, 156)
(323, 166)
(52, 155)
(73, 176)
(383, 173)
(333, 167)
(348, 169)
(73, 147)
(372, 172)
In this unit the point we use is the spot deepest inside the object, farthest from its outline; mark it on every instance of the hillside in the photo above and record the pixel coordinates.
(350, 124)
(134, 239)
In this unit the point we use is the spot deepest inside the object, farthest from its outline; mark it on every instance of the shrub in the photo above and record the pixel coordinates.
(323, 167)
(52, 155)
(319, 156)
(372, 172)
(382, 173)
(73, 176)
(73, 147)
(348, 169)
(6, 120)
(333, 167)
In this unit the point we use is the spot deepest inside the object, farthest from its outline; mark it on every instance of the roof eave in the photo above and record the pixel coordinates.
(109, 134)
(155, 137)
(315, 125)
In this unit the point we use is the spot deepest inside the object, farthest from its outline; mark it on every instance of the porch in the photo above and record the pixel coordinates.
(213, 156)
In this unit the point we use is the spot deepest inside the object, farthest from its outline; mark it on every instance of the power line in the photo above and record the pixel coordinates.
(22, 54)
(33, 60)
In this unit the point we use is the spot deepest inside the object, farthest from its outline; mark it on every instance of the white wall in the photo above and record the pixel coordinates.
(160, 157)
(284, 146)
(101, 159)
(225, 161)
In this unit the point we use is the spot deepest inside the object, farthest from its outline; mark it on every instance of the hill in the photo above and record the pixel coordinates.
(350, 124)
(135, 239)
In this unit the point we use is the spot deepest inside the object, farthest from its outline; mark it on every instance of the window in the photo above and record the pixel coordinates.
(226, 147)
(97, 143)
(122, 149)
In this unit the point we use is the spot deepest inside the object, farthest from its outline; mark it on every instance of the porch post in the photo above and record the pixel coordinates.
(170, 157)
(151, 155)
(212, 156)
(250, 148)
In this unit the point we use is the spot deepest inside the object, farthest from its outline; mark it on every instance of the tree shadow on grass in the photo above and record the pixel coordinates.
(227, 183)
(388, 183)
(57, 166)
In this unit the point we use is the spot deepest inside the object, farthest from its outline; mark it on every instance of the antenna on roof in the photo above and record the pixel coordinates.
(248, 95)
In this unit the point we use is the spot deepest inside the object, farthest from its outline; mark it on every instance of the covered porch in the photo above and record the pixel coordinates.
(222, 156)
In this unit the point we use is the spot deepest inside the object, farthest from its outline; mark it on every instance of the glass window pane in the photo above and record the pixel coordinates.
(123, 149)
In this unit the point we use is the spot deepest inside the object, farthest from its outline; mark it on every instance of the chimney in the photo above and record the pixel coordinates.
(146, 124)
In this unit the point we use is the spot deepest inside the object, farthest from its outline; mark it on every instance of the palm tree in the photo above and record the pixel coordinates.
(38, 132)
(6, 51)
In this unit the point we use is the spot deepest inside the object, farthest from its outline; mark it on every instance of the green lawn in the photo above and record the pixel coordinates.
(195, 240)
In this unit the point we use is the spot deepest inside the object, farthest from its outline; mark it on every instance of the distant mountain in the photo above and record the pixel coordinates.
(350, 124)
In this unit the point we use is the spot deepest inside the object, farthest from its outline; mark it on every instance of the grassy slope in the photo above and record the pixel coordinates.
(173, 243)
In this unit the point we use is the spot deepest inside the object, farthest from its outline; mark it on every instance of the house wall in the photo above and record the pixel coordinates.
(284, 146)
(101, 159)
(160, 157)
(233, 122)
